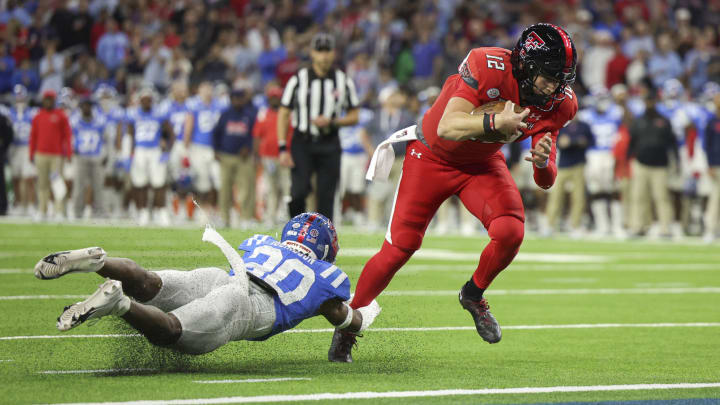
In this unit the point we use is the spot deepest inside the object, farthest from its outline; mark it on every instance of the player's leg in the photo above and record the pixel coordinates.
(300, 176)
(224, 315)
(244, 181)
(494, 199)
(423, 185)
(327, 167)
(158, 181)
(577, 198)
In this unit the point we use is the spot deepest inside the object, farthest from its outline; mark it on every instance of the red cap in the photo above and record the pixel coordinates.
(274, 92)
(49, 93)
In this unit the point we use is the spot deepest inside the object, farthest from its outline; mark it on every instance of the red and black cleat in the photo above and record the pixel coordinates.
(485, 323)
(341, 346)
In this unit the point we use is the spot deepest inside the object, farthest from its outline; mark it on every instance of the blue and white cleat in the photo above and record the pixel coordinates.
(107, 300)
(70, 261)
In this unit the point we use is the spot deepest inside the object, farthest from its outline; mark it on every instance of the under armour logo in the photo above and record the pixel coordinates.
(413, 153)
(534, 117)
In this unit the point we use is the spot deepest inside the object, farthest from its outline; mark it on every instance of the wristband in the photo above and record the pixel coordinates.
(489, 123)
(348, 318)
(282, 148)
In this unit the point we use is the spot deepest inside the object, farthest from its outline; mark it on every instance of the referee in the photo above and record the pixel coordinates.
(317, 96)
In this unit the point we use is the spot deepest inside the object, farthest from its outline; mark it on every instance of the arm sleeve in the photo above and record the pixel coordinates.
(545, 176)
(471, 85)
(289, 92)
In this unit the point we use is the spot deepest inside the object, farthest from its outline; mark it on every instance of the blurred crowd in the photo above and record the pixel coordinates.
(115, 66)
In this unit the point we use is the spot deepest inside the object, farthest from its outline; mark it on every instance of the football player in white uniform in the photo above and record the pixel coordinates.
(272, 288)
(205, 112)
(22, 170)
(149, 127)
(106, 98)
(604, 118)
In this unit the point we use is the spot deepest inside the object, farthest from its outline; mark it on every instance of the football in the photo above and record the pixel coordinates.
(496, 107)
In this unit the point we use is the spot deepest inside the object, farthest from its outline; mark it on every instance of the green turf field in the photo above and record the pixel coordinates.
(632, 313)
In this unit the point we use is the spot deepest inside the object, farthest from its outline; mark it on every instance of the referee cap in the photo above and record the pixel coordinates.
(323, 42)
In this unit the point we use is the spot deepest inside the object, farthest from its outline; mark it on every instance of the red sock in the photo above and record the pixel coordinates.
(377, 273)
(506, 235)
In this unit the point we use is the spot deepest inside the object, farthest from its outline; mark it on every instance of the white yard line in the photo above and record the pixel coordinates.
(104, 371)
(566, 291)
(411, 394)
(41, 297)
(250, 380)
(16, 271)
(69, 336)
(428, 329)
(443, 293)
(6, 361)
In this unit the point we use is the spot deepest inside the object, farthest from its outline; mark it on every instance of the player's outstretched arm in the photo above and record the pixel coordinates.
(340, 315)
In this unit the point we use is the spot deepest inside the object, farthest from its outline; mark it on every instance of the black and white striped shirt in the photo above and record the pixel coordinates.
(309, 96)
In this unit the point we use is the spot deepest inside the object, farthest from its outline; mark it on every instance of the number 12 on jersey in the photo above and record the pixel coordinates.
(495, 62)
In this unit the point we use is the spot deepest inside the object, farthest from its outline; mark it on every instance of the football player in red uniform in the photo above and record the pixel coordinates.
(457, 152)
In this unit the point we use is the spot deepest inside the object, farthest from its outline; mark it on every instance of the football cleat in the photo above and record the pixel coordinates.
(107, 300)
(71, 261)
(341, 346)
(485, 323)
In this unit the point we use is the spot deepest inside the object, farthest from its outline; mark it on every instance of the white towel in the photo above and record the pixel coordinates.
(236, 262)
(384, 155)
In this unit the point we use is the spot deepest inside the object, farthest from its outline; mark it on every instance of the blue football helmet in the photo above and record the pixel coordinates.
(20, 92)
(312, 232)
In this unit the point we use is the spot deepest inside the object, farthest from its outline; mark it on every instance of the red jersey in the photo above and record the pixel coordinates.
(50, 133)
(484, 76)
(266, 130)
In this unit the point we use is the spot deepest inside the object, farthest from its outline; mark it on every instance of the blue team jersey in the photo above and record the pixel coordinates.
(350, 140)
(301, 284)
(88, 139)
(148, 126)
(22, 123)
(205, 116)
(603, 125)
(177, 114)
(699, 115)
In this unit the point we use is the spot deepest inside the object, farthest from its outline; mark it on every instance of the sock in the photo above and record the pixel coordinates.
(123, 306)
(377, 273)
(472, 292)
(506, 234)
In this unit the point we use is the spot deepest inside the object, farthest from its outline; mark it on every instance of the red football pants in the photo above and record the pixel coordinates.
(486, 189)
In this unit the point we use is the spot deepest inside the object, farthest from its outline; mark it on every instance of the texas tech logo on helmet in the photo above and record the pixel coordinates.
(533, 41)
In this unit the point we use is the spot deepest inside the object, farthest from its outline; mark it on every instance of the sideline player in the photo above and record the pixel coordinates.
(274, 287)
(148, 167)
(21, 168)
(456, 153)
